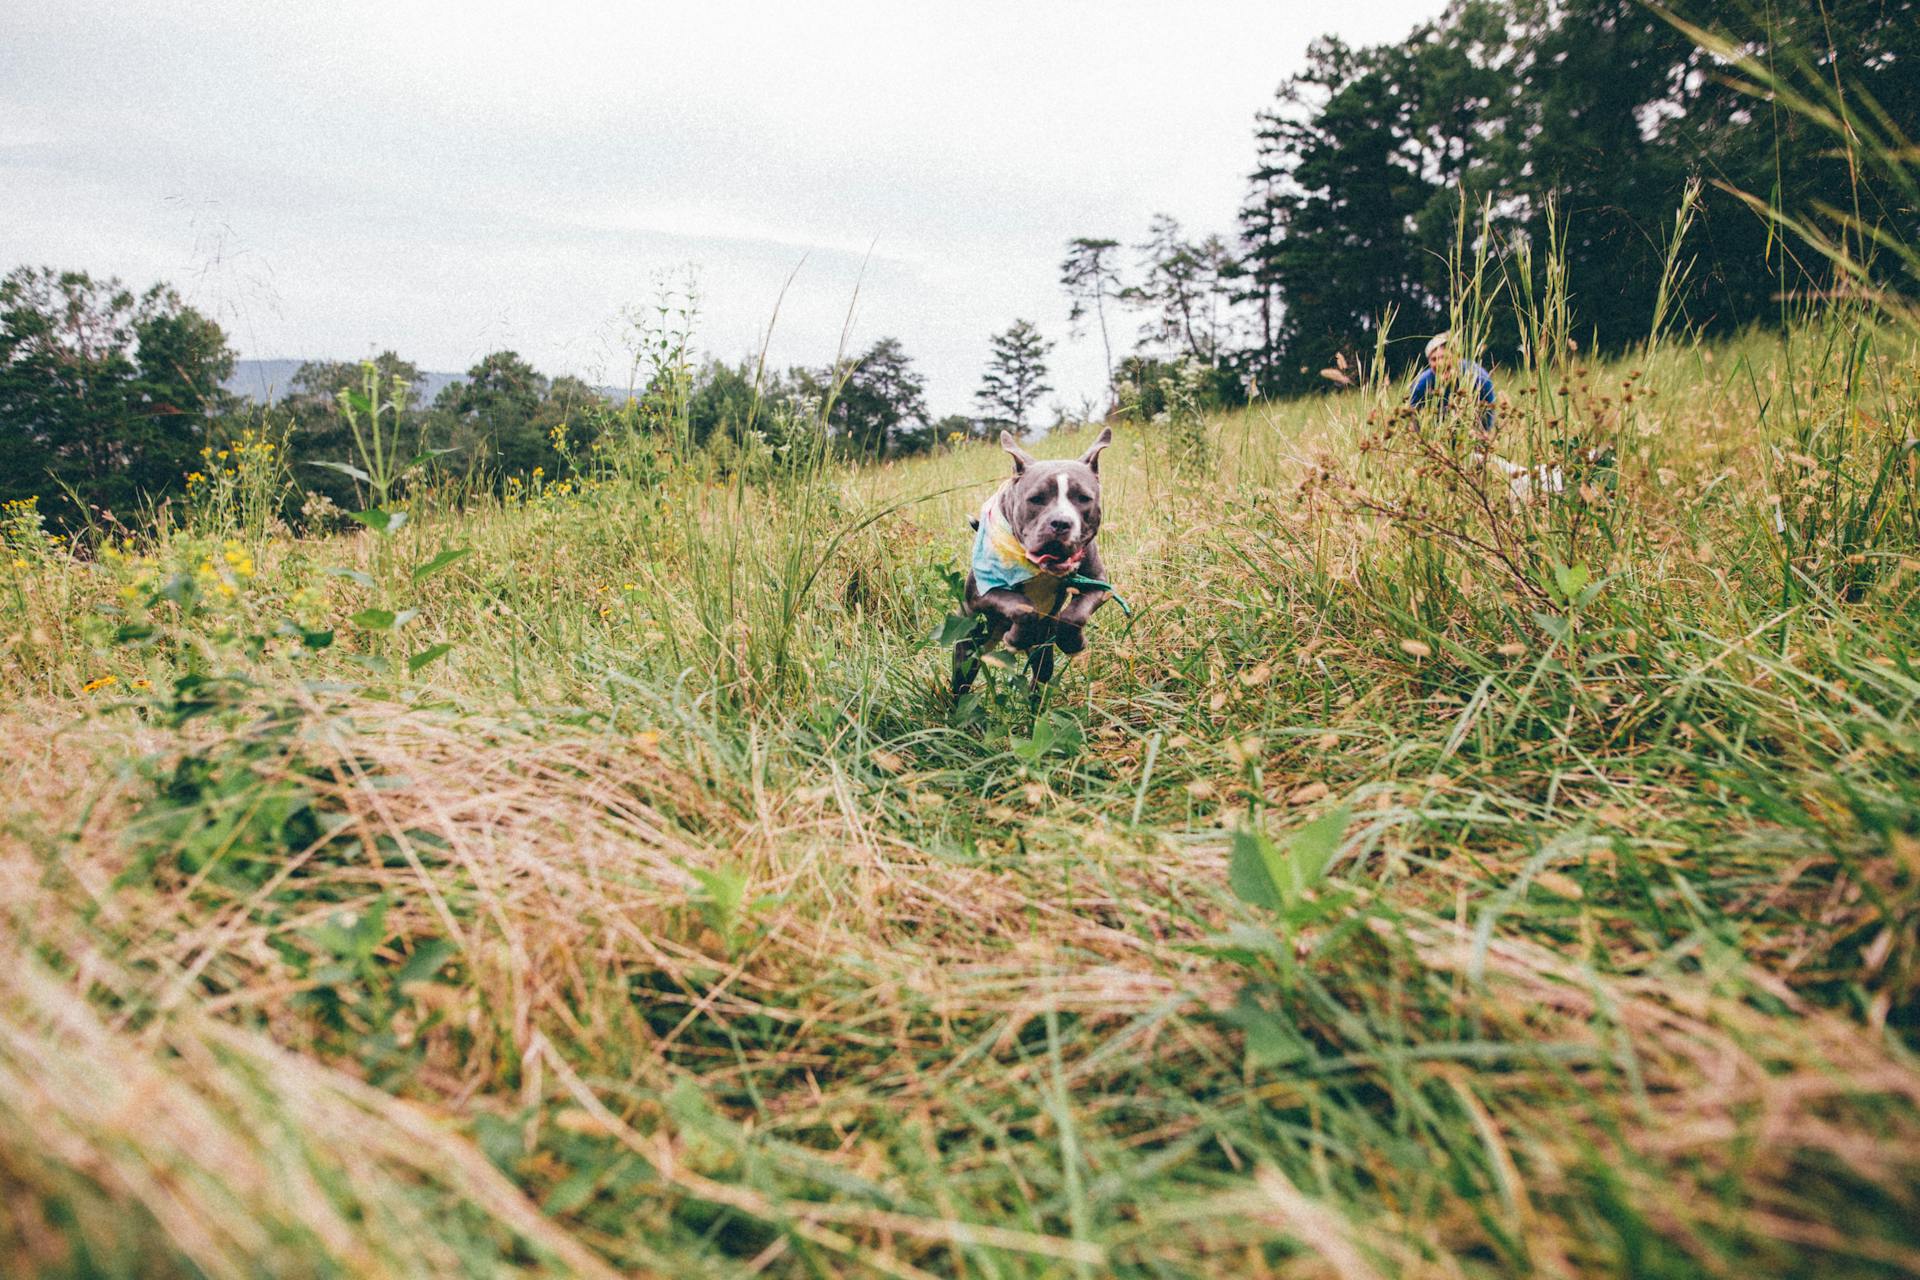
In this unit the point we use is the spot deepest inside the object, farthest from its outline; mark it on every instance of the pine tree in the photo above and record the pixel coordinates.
(1016, 375)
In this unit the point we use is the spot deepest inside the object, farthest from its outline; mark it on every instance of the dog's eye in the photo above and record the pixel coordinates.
(1077, 496)
(1038, 499)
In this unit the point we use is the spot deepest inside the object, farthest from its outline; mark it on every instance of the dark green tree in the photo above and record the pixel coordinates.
(882, 404)
(1016, 376)
(724, 401)
(492, 414)
(1346, 194)
(102, 393)
(1172, 289)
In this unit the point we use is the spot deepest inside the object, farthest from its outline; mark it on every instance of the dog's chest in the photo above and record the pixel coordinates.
(1044, 593)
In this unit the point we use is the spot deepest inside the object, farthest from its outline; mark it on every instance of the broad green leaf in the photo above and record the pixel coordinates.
(425, 455)
(1272, 1039)
(1261, 874)
(425, 962)
(427, 655)
(344, 468)
(573, 1190)
(1570, 579)
(1313, 848)
(956, 628)
(1068, 737)
(373, 619)
(1248, 872)
(1552, 624)
(380, 520)
(447, 556)
(725, 890)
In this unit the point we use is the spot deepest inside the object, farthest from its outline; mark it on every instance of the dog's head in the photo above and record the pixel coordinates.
(1054, 507)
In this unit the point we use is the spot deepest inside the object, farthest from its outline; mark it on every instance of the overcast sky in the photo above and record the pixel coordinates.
(449, 179)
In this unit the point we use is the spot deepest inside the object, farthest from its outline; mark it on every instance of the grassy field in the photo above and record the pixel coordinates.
(1415, 884)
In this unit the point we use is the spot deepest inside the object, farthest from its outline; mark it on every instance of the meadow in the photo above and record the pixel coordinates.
(602, 882)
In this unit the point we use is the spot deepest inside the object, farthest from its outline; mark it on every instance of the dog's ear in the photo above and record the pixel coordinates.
(1092, 456)
(1021, 458)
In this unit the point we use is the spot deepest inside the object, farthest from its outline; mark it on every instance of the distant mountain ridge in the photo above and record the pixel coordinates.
(269, 381)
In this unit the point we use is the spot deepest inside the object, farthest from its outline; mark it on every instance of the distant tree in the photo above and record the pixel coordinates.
(1091, 278)
(882, 404)
(102, 392)
(1263, 244)
(1171, 288)
(1345, 195)
(913, 436)
(723, 401)
(492, 412)
(1219, 275)
(1145, 382)
(1016, 375)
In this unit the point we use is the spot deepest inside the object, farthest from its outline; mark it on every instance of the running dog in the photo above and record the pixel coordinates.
(1036, 574)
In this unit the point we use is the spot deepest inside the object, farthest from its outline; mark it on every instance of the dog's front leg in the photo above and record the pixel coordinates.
(1069, 625)
(1011, 614)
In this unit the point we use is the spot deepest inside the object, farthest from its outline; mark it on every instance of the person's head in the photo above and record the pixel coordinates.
(1437, 352)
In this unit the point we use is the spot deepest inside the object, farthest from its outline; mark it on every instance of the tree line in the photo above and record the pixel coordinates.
(1581, 121)
(110, 402)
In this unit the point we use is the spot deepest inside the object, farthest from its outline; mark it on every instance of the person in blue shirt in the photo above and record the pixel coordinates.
(1444, 375)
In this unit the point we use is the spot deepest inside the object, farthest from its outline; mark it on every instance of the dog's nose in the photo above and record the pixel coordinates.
(1061, 526)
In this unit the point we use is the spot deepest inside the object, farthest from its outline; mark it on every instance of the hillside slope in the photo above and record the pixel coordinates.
(1416, 883)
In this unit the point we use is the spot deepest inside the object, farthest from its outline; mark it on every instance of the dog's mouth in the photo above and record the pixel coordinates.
(1057, 558)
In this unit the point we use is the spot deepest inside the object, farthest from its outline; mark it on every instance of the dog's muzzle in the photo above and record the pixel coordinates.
(1057, 558)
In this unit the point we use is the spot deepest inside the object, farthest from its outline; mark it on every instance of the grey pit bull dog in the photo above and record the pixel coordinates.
(1036, 574)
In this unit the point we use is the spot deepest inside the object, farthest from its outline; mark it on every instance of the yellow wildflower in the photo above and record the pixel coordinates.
(94, 686)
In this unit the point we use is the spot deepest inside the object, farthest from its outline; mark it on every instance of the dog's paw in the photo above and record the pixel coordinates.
(1068, 638)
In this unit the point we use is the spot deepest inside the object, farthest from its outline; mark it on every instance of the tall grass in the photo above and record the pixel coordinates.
(1420, 882)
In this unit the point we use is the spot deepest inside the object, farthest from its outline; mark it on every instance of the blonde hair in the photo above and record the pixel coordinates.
(1437, 341)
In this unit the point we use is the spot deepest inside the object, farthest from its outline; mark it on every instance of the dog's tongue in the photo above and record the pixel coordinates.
(1060, 564)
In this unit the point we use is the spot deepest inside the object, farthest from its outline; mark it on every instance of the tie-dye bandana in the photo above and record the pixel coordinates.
(1000, 562)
